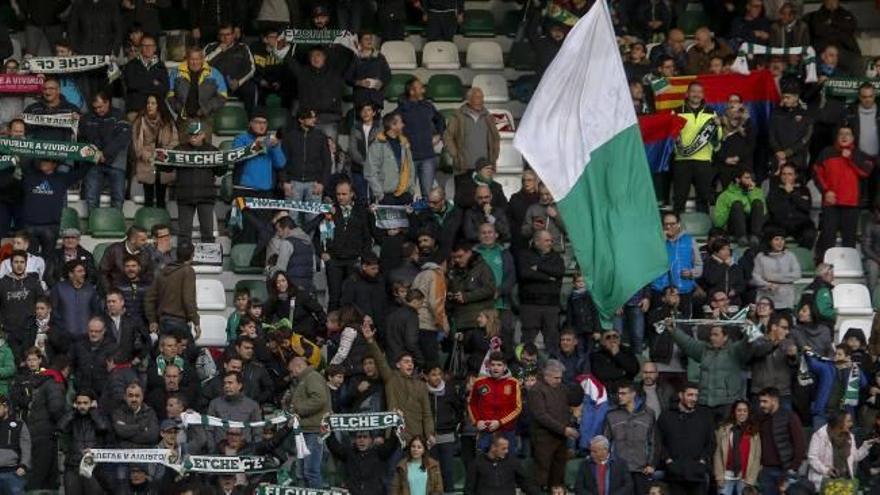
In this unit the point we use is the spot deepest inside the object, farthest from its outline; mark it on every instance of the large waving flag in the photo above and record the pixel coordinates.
(659, 131)
(581, 136)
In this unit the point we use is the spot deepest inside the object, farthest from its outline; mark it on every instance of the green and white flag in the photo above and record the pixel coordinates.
(321, 37)
(206, 159)
(68, 120)
(581, 136)
(230, 464)
(72, 64)
(297, 490)
(93, 457)
(49, 150)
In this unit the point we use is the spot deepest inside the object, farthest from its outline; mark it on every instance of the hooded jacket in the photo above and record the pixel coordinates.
(258, 173)
(95, 27)
(781, 269)
(308, 156)
(721, 369)
(834, 172)
(212, 89)
(383, 172)
(432, 283)
(47, 404)
(407, 393)
(173, 294)
(310, 399)
(476, 283)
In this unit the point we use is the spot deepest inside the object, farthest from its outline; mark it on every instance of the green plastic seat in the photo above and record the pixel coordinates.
(397, 85)
(226, 188)
(98, 252)
(414, 28)
(106, 223)
(447, 114)
(225, 145)
(146, 217)
(805, 257)
(691, 20)
(230, 120)
(445, 88)
(69, 218)
(241, 259)
(521, 56)
(696, 223)
(478, 24)
(257, 288)
(273, 101)
(277, 117)
(459, 474)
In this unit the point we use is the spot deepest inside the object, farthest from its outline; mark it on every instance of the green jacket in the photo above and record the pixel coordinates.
(721, 380)
(731, 195)
(310, 400)
(7, 368)
(825, 304)
(407, 393)
(477, 285)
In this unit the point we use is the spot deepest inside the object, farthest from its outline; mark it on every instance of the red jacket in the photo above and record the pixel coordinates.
(842, 175)
(496, 399)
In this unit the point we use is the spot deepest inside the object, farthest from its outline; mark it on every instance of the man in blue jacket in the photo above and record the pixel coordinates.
(105, 127)
(424, 127)
(685, 263)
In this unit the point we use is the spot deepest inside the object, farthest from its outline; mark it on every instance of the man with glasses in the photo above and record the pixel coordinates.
(236, 63)
(51, 103)
(613, 364)
(685, 263)
(630, 429)
(143, 76)
(442, 219)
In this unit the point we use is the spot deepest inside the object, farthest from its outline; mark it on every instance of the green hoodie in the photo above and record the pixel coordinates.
(731, 195)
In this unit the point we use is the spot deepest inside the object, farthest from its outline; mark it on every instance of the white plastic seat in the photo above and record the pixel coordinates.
(846, 260)
(504, 122)
(494, 87)
(399, 54)
(440, 55)
(852, 300)
(510, 160)
(213, 331)
(210, 294)
(863, 324)
(485, 55)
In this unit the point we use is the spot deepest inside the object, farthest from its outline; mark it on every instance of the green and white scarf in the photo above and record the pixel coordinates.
(230, 464)
(206, 159)
(297, 490)
(364, 422)
(68, 120)
(8, 161)
(93, 457)
(49, 150)
(161, 363)
(73, 64)
(853, 384)
(391, 217)
(321, 37)
(558, 14)
(707, 135)
(741, 64)
(189, 418)
(241, 203)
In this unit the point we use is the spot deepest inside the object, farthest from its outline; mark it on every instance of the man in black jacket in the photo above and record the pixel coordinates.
(365, 289)
(195, 188)
(789, 205)
(106, 128)
(236, 63)
(686, 439)
(206, 16)
(43, 25)
(612, 364)
(128, 330)
(145, 75)
(790, 130)
(15, 449)
(320, 85)
(258, 385)
(486, 210)
(19, 291)
(70, 250)
(89, 356)
(496, 473)
(442, 219)
(50, 103)
(47, 407)
(600, 468)
(87, 427)
(540, 271)
(365, 461)
(308, 165)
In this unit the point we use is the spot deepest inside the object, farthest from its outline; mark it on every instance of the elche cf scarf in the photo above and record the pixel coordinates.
(49, 150)
(230, 464)
(741, 64)
(213, 464)
(193, 418)
(71, 65)
(67, 120)
(364, 422)
(93, 457)
(297, 490)
(20, 83)
(321, 37)
(241, 203)
(206, 159)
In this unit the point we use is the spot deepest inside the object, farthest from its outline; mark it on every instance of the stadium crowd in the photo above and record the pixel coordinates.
(467, 314)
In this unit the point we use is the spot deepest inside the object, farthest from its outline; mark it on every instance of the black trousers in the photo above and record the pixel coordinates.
(43, 474)
(843, 219)
(253, 220)
(441, 26)
(692, 172)
(641, 483)
(74, 484)
(544, 319)
(688, 487)
(804, 233)
(337, 272)
(185, 212)
(740, 223)
(154, 194)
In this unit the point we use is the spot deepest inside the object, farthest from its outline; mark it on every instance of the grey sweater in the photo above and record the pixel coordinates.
(782, 270)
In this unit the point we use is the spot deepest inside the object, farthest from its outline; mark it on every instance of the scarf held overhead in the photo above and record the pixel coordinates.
(69, 120)
(206, 159)
(363, 422)
(74, 64)
(230, 464)
(321, 37)
(93, 457)
(50, 150)
(741, 64)
(194, 418)
(21, 83)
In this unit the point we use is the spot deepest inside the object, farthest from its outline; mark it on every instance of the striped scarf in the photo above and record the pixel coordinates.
(194, 418)
(741, 65)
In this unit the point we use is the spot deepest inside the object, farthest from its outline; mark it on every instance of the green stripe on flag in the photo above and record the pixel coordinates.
(613, 222)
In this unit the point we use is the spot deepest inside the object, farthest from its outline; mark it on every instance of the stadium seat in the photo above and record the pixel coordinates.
(106, 223)
(863, 324)
(440, 55)
(690, 20)
(510, 160)
(447, 114)
(847, 262)
(414, 28)
(278, 117)
(69, 218)
(696, 223)
(213, 331)
(210, 294)
(521, 56)
(571, 471)
(494, 87)
(510, 23)
(273, 101)
(806, 260)
(98, 251)
(478, 24)
(400, 55)
(852, 300)
(241, 255)
(485, 55)
(225, 145)
(445, 88)
(226, 187)
(146, 217)
(230, 121)
(459, 474)
(257, 288)
(396, 86)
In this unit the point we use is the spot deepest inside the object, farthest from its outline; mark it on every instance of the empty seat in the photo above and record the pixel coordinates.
(146, 217)
(257, 288)
(273, 100)
(846, 260)
(230, 120)
(863, 324)
(445, 88)
(213, 331)
(277, 117)
(510, 160)
(396, 86)
(69, 218)
(240, 256)
(696, 223)
(852, 300)
(806, 260)
(510, 23)
(478, 24)
(485, 55)
(210, 294)
(106, 222)
(494, 87)
(440, 55)
(98, 251)
(400, 55)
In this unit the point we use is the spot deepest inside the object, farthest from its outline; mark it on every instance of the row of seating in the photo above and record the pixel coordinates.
(443, 55)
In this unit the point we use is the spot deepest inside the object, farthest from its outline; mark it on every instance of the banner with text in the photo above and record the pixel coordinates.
(21, 83)
(206, 159)
(847, 88)
(364, 422)
(391, 217)
(230, 464)
(93, 457)
(69, 120)
(49, 150)
(73, 64)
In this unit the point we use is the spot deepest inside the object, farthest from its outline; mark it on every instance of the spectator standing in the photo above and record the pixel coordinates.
(737, 459)
(294, 255)
(234, 61)
(495, 403)
(417, 472)
(310, 400)
(788, 30)
(196, 89)
(497, 472)
(776, 269)
(195, 187)
(389, 170)
(774, 360)
(694, 149)
(424, 127)
(152, 127)
(470, 289)
(630, 428)
(673, 48)
(106, 129)
(485, 208)
(369, 73)
(363, 135)
(134, 423)
(833, 25)
(686, 441)
(722, 273)
(833, 453)
(544, 215)
(75, 300)
(95, 27)
(864, 117)
(235, 406)
(170, 305)
(365, 461)
(46, 409)
(112, 265)
(540, 271)
(753, 27)
(89, 355)
(704, 50)
(600, 474)
(791, 130)
(43, 24)
(88, 428)
(685, 262)
(789, 204)
(206, 16)
(871, 247)
(613, 364)
(51, 102)
(783, 445)
(320, 86)
(15, 450)
(550, 425)
(519, 204)
(144, 76)
(308, 165)
(471, 135)
(257, 176)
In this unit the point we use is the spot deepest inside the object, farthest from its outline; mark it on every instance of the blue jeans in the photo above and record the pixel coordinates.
(311, 465)
(94, 182)
(768, 480)
(426, 170)
(445, 453)
(484, 441)
(11, 484)
(632, 324)
(731, 487)
(302, 191)
(359, 183)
